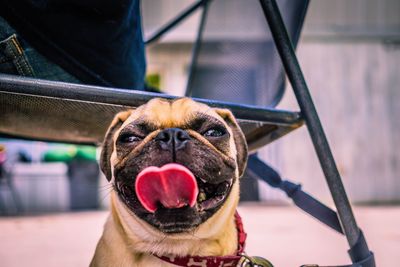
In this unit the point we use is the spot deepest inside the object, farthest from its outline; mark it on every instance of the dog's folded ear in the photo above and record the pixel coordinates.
(108, 144)
(238, 136)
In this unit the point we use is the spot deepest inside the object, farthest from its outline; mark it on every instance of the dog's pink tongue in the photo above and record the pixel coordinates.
(172, 185)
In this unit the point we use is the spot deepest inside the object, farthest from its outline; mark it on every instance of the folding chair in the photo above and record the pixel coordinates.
(74, 113)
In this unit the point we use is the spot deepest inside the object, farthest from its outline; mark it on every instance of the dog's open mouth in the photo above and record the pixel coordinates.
(174, 186)
(172, 198)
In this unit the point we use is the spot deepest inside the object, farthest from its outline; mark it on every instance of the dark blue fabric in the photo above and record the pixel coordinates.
(99, 42)
(17, 57)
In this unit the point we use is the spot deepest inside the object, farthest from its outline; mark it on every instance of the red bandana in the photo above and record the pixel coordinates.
(213, 261)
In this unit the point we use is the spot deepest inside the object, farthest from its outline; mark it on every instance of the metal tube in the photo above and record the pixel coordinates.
(131, 98)
(196, 48)
(311, 118)
(175, 21)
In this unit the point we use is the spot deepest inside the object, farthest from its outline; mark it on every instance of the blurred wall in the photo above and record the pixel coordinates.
(350, 55)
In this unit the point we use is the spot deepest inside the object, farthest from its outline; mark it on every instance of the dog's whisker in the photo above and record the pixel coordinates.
(102, 189)
(107, 194)
(105, 185)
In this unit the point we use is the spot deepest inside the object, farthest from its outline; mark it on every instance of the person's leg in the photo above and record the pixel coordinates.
(17, 57)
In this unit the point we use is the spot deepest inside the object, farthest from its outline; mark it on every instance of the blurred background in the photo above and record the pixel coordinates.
(350, 55)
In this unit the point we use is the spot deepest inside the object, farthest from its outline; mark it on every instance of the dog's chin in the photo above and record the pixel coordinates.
(210, 199)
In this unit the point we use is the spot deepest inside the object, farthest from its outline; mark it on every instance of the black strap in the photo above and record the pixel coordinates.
(307, 203)
(300, 198)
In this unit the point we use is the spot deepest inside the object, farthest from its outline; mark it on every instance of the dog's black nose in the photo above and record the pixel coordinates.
(172, 138)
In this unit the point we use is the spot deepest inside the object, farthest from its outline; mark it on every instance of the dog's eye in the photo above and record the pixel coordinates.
(130, 138)
(214, 132)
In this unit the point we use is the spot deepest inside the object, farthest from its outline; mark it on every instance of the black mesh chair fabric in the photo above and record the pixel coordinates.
(237, 59)
(54, 119)
(74, 113)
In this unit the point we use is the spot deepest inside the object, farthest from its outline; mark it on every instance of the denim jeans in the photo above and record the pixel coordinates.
(17, 57)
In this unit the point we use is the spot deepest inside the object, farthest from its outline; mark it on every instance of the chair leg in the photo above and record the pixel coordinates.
(321, 146)
(3, 208)
(15, 196)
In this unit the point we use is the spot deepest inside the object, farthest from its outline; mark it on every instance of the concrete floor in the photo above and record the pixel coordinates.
(284, 235)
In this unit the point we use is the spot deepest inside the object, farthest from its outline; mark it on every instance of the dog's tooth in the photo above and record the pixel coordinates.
(204, 181)
(201, 197)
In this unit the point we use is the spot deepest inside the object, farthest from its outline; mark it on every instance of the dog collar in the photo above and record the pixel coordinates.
(214, 261)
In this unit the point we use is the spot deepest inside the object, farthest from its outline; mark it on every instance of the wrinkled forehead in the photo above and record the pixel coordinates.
(164, 113)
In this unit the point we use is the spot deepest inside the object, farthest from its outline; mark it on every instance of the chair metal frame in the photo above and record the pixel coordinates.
(307, 110)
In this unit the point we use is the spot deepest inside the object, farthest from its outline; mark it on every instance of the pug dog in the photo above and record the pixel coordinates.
(174, 166)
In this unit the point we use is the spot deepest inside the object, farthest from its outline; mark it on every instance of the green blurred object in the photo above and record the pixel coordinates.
(154, 80)
(86, 153)
(60, 154)
(66, 153)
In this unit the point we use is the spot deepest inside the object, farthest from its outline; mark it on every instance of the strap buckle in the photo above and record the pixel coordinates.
(247, 261)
